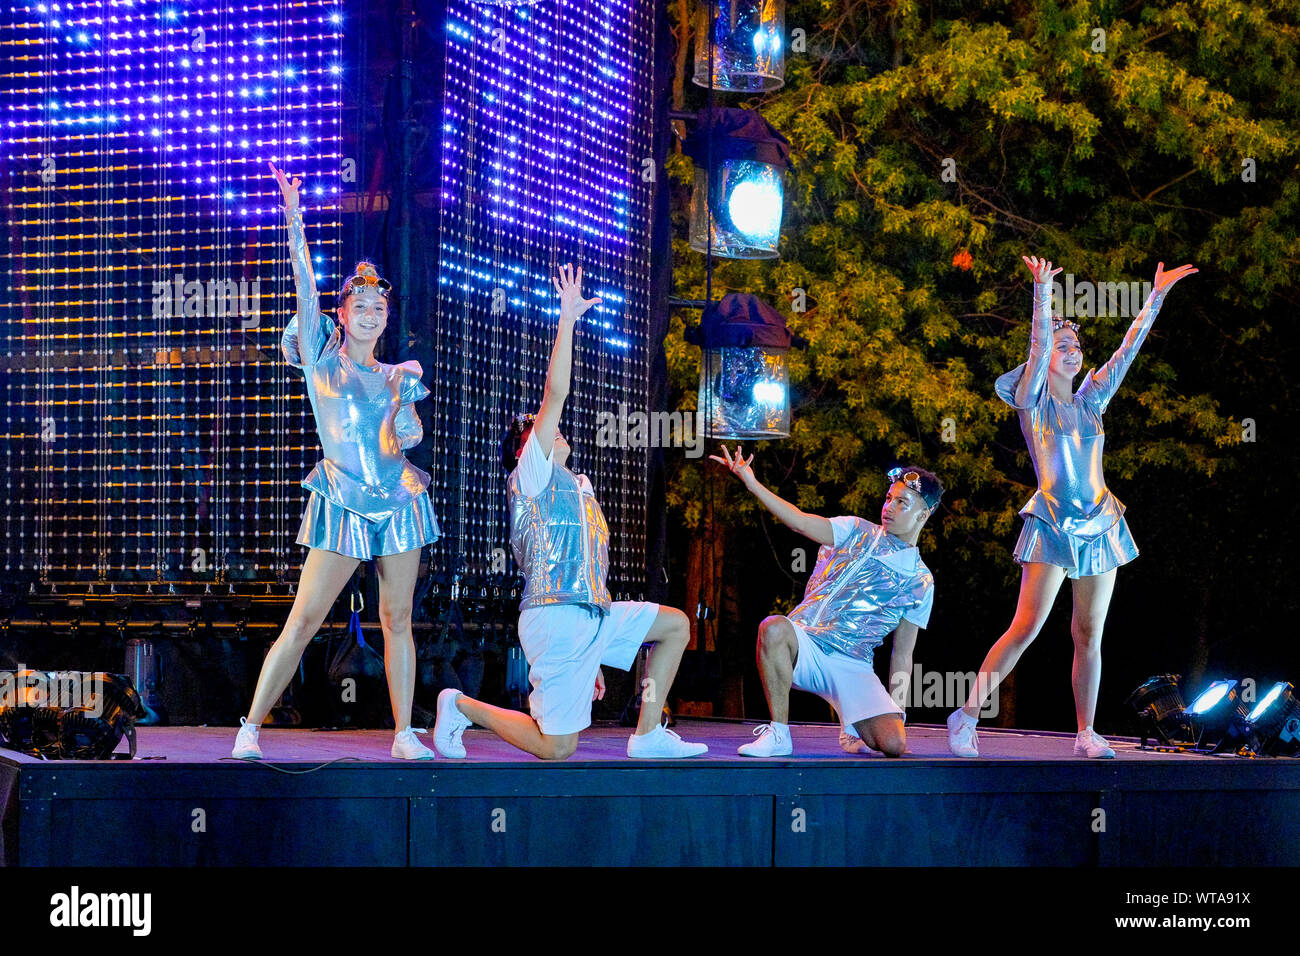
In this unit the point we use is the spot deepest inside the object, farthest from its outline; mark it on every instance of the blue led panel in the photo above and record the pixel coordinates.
(152, 431)
(546, 134)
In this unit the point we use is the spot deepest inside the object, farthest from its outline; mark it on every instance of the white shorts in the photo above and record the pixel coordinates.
(565, 644)
(846, 683)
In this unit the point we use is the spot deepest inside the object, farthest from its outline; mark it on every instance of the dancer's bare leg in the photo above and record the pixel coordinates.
(884, 733)
(1091, 602)
(324, 573)
(778, 649)
(1038, 586)
(518, 729)
(397, 574)
(670, 633)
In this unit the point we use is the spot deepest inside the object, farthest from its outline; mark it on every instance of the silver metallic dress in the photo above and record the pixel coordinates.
(366, 498)
(1072, 521)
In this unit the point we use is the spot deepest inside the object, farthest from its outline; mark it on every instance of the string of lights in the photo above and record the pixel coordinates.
(544, 129)
(152, 432)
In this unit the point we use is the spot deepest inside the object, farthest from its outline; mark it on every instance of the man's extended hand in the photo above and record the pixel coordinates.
(739, 465)
(569, 286)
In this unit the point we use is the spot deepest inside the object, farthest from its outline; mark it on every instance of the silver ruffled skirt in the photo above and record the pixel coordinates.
(1044, 543)
(331, 527)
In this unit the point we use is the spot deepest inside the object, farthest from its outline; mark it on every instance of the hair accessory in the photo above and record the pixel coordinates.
(1061, 322)
(912, 479)
(366, 277)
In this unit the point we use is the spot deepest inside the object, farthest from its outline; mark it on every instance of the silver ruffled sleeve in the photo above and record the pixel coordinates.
(1023, 386)
(410, 431)
(308, 331)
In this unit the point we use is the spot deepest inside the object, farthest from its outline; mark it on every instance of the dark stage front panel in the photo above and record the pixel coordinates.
(592, 831)
(326, 831)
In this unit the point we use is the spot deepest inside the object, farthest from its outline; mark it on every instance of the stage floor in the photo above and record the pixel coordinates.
(600, 744)
(337, 798)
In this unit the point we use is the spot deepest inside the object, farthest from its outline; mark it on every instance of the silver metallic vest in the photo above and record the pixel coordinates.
(853, 600)
(561, 543)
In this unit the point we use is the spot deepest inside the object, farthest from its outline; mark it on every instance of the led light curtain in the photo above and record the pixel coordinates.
(547, 130)
(152, 431)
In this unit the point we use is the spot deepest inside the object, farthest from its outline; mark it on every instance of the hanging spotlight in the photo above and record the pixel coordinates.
(1160, 708)
(1219, 716)
(744, 376)
(740, 162)
(748, 45)
(1275, 722)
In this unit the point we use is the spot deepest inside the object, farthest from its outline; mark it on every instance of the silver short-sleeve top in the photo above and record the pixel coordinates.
(364, 417)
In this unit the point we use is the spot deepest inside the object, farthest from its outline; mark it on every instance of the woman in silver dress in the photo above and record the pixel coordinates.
(365, 499)
(1073, 526)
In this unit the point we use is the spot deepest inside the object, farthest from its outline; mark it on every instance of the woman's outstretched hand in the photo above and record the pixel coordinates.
(1040, 268)
(1166, 279)
(288, 189)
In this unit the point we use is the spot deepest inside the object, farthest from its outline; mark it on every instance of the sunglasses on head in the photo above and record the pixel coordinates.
(358, 283)
(911, 479)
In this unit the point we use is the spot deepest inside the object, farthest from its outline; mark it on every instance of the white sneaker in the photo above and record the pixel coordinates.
(962, 739)
(406, 746)
(771, 742)
(660, 743)
(246, 747)
(1088, 743)
(852, 745)
(450, 725)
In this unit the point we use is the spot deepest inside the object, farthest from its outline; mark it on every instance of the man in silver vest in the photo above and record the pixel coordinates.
(568, 626)
(869, 580)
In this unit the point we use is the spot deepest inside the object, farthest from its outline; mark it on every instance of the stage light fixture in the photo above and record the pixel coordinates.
(1218, 717)
(1275, 722)
(70, 715)
(1160, 708)
(739, 194)
(748, 45)
(744, 374)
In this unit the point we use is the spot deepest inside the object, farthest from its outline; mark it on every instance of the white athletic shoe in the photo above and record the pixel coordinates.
(450, 725)
(771, 742)
(246, 747)
(406, 746)
(661, 743)
(962, 739)
(852, 745)
(1088, 743)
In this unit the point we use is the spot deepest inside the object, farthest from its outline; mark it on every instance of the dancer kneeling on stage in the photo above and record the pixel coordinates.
(568, 627)
(869, 580)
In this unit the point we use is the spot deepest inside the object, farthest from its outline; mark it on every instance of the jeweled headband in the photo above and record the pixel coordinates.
(1061, 322)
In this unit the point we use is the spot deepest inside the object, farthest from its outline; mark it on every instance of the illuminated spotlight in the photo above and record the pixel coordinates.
(755, 203)
(748, 51)
(744, 373)
(1218, 717)
(1275, 722)
(1160, 707)
(740, 163)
